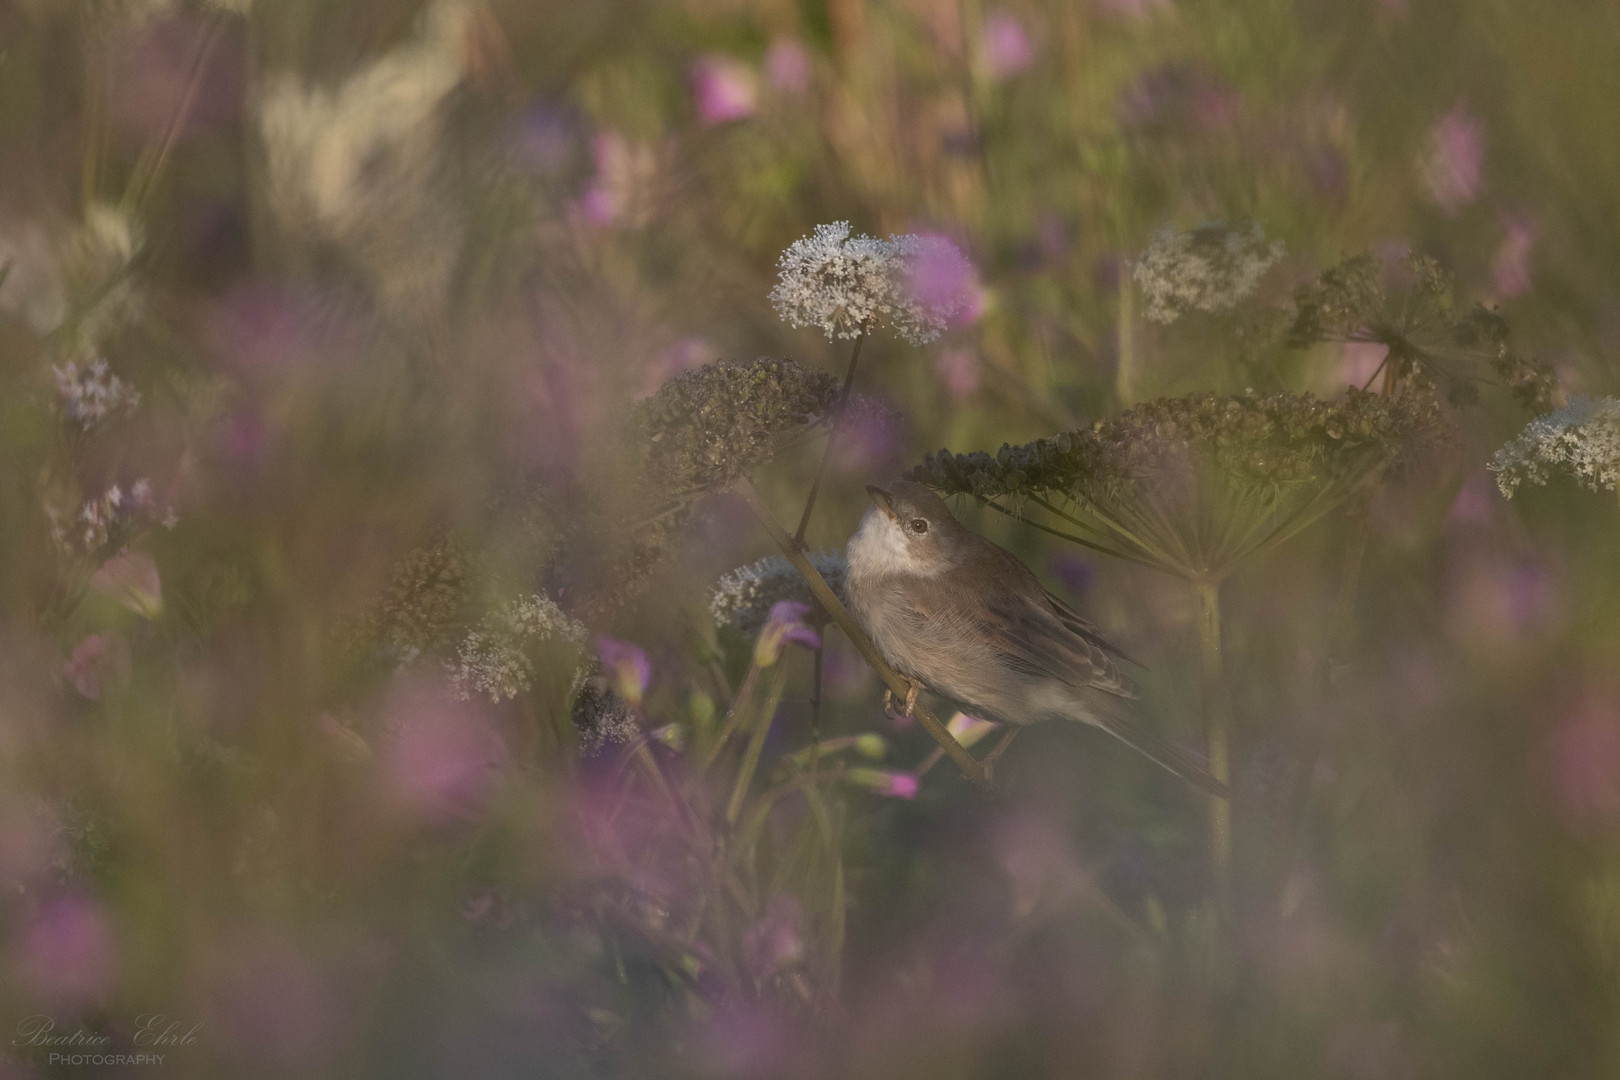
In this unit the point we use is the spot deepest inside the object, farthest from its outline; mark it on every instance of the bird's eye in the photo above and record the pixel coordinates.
(919, 526)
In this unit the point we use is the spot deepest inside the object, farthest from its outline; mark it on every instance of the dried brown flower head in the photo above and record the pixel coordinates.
(1194, 485)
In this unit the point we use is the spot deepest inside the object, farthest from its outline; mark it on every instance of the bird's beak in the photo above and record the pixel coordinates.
(882, 500)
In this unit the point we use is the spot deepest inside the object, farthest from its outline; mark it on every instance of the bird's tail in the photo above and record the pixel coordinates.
(1161, 752)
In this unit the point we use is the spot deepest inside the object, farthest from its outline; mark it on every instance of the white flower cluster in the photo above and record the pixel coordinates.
(496, 658)
(848, 285)
(96, 521)
(1209, 269)
(1582, 437)
(603, 718)
(743, 597)
(92, 393)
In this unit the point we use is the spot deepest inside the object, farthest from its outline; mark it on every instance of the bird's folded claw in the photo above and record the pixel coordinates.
(911, 702)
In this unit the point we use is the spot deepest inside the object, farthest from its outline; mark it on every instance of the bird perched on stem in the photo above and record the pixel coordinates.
(955, 613)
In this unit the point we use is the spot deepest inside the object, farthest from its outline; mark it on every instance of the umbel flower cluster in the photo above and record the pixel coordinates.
(850, 285)
(496, 658)
(744, 598)
(709, 426)
(602, 718)
(1210, 269)
(1194, 485)
(1582, 438)
(92, 393)
(1411, 312)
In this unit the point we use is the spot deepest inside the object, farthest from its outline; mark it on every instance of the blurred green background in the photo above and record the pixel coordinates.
(378, 288)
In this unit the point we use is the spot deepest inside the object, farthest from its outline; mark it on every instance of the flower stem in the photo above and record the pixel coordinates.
(852, 630)
(1217, 733)
(1125, 371)
(832, 437)
(756, 740)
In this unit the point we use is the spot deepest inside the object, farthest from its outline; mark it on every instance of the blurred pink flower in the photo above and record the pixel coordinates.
(1040, 865)
(597, 205)
(785, 624)
(1510, 269)
(66, 953)
(684, 355)
(30, 843)
(871, 441)
(1075, 573)
(1177, 94)
(258, 329)
(1475, 503)
(627, 667)
(753, 1040)
(268, 1002)
(958, 369)
(1007, 50)
(1360, 361)
(723, 88)
(1498, 599)
(441, 754)
(777, 940)
(617, 192)
(155, 68)
(1454, 164)
(787, 65)
(95, 660)
(886, 782)
(942, 278)
(1584, 764)
(131, 578)
(969, 730)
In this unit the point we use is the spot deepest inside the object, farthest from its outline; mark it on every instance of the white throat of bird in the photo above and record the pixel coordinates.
(881, 547)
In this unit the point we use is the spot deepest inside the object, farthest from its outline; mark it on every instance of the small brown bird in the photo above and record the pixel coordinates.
(964, 617)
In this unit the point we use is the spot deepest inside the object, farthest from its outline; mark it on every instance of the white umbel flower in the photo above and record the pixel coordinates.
(743, 597)
(92, 393)
(848, 285)
(496, 658)
(1211, 269)
(1582, 438)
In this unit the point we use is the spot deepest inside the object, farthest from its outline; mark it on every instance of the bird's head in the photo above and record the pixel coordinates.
(907, 530)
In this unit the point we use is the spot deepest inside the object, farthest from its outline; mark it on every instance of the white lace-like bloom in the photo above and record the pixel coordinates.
(846, 285)
(361, 165)
(1583, 438)
(602, 718)
(496, 658)
(92, 393)
(115, 511)
(1210, 269)
(743, 597)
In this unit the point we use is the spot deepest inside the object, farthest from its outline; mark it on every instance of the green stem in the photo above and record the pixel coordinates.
(756, 741)
(832, 437)
(1125, 372)
(896, 682)
(1217, 733)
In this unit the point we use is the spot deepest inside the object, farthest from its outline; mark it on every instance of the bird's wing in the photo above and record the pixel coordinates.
(1035, 635)
(1018, 620)
(1088, 630)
